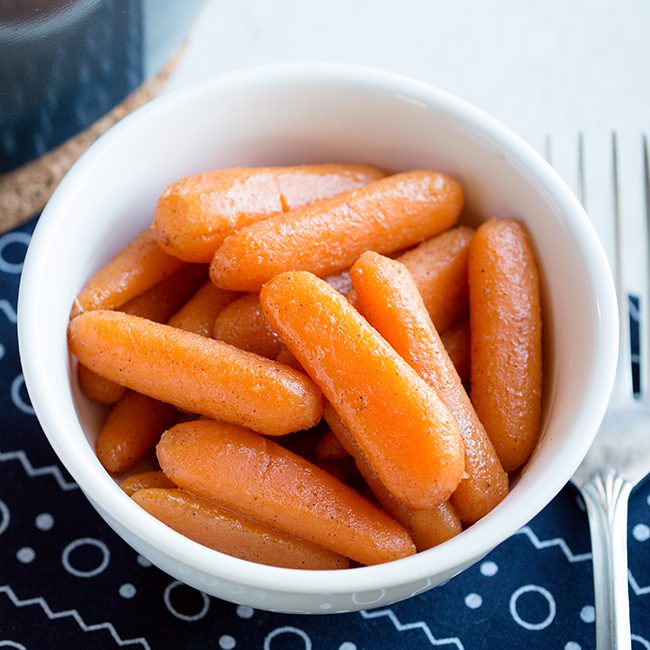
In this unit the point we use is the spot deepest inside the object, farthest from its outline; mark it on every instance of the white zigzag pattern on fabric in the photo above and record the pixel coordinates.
(32, 471)
(556, 541)
(74, 614)
(636, 588)
(9, 311)
(403, 627)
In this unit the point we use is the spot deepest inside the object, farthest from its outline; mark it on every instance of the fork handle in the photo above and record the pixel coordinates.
(606, 496)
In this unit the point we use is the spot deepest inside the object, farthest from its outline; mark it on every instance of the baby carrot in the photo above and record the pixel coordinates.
(284, 356)
(196, 213)
(243, 325)
(133, 426)
(154, 479)
(327, 237)
(232, 533)
(136, 268)
(198, 314)
(428, 527)
(506, 324)
(329, 447)
(195, 373)
(157, 304)
(389, 299)
(406, 432)
(256, 477)
(458, 346)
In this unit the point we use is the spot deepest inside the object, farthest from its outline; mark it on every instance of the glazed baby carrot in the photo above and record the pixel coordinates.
(405, 431)
(195, 373)
(506, 325)
(284, 356)
(388, 297)
(226, 531)
(327, 237)
(256, 477)
(145, 480)
(157, 304)
(329, 447)
(243, 325)
(457, 343)
(428, 527)
(136, 268)
(196, 213)
(132, 427)
(198, 314)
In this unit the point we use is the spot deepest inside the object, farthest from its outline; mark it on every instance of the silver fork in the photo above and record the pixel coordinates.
(620, 456)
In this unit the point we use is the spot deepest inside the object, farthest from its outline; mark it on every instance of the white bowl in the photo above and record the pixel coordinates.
(306, 114)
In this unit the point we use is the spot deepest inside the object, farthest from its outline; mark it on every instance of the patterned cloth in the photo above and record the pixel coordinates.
(67, 581)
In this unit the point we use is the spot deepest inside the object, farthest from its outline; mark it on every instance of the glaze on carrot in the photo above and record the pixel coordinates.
(231, 533)
(388, 297)
(256, 477)
(329, 447)
(405, 431)
(327, 237)
(457, 342)
(146, 480)
(136, 268)
(97, 388)
(506, 324)
(196, 213)
(195, 373)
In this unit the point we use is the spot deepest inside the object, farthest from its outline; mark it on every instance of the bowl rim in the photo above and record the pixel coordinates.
(464, 549)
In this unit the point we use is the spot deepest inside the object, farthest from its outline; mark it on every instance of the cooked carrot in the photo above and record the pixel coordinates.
(198, 313)
(329, 447)
(256, 477)
(157, 304)
(243, 325)
(284, 356)
(506, 324)
(428, 527)
(405, 431)
(389, 299)
(195, 373)
(136, 268)
(231, 533)
(327, 237)
(97, 388)
(457, 342)
(145, 480)
(196, 213)
(132, 427)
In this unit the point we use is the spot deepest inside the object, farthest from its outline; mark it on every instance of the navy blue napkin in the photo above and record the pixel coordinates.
(67, 581)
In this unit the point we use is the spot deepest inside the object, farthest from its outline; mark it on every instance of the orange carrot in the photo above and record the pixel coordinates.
(389, 299)
(97, 388)
(243, 325)
(406, 432)
(136, 268)
(233, 534)
(329, 447)
(198, 314)
(195, 373)
(428, 527)
(133, 426)
(256, 477)
(506, 324)
(327, 237)
(196, 213)
(458, 345)
(284, 356)
(145, 480)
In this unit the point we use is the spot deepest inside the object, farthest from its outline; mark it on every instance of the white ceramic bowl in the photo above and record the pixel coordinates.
(307, 114)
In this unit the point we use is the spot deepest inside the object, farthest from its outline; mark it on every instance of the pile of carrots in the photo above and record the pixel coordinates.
(308, 392)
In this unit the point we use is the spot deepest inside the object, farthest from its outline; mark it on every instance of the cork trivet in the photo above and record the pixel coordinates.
(24, 191)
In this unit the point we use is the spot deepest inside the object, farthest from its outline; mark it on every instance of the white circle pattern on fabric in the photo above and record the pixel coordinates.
(184, 617)
(473, 601)
(2, 351)
(588, 614)
(5, 517)
(572, 645)
(44, 521)
(244, 611)
(347, 645)
(227, 642)
(127, 590)
(641, 532)
(26, 555)
(17, 399)
(287, 629)
(143, 562)
(532, 589)
(12, 238)
(639, 639)
(85, 573)
(6, 643)
(489, 568)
